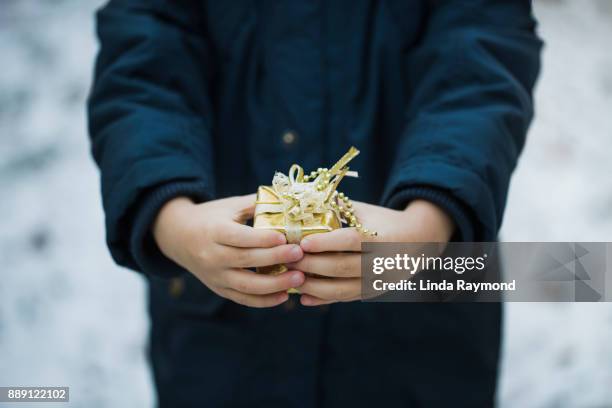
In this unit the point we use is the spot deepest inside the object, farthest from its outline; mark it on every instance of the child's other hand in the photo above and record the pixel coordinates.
(337, 254)
(211, 241)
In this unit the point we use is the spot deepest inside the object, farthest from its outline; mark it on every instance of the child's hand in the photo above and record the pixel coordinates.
(337, 254)
(211, 241)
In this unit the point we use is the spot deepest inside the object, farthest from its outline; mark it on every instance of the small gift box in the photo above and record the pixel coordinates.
(299, 205)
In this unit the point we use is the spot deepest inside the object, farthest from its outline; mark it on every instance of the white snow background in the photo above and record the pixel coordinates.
(69, 316)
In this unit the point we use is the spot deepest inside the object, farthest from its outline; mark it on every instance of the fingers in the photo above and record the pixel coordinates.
(239, 235)
(337, 290)
(242, 202)
(333, 264)
(254, 257)
(258, 301)
(244, 207)
(342, 239)
(248, 282)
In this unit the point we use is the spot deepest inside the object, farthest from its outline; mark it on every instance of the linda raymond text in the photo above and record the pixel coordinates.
(444, 285)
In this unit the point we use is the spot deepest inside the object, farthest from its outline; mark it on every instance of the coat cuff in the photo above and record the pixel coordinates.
(464, 225)
(145, 251)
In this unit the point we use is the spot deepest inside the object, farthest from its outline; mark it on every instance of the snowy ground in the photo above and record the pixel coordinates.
(68, 316)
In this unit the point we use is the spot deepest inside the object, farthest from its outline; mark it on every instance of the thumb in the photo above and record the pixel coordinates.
(243, 207)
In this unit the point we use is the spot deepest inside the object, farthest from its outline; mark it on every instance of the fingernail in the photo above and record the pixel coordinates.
(280, 238)
(297, 279)
(305, 244)
(296, 252)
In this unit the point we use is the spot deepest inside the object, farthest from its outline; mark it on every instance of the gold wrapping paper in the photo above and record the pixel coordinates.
(299, 205)
(323, 222)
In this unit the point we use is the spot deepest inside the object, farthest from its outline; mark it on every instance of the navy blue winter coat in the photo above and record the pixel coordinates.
(208, 98)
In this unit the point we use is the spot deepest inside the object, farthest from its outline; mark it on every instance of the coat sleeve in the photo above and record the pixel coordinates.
(149, 120)
(471, 79)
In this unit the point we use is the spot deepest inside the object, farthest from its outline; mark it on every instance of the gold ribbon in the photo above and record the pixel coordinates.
(301, 198)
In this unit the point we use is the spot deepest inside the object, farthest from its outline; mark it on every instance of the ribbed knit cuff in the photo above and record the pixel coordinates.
(144, 249)
(454, 208)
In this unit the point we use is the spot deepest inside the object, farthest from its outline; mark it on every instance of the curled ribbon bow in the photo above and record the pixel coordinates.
(304, 196)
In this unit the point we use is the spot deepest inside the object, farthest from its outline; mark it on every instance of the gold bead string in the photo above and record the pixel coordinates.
(338, 201)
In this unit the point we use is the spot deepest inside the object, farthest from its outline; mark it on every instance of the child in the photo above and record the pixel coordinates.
(196, 103)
